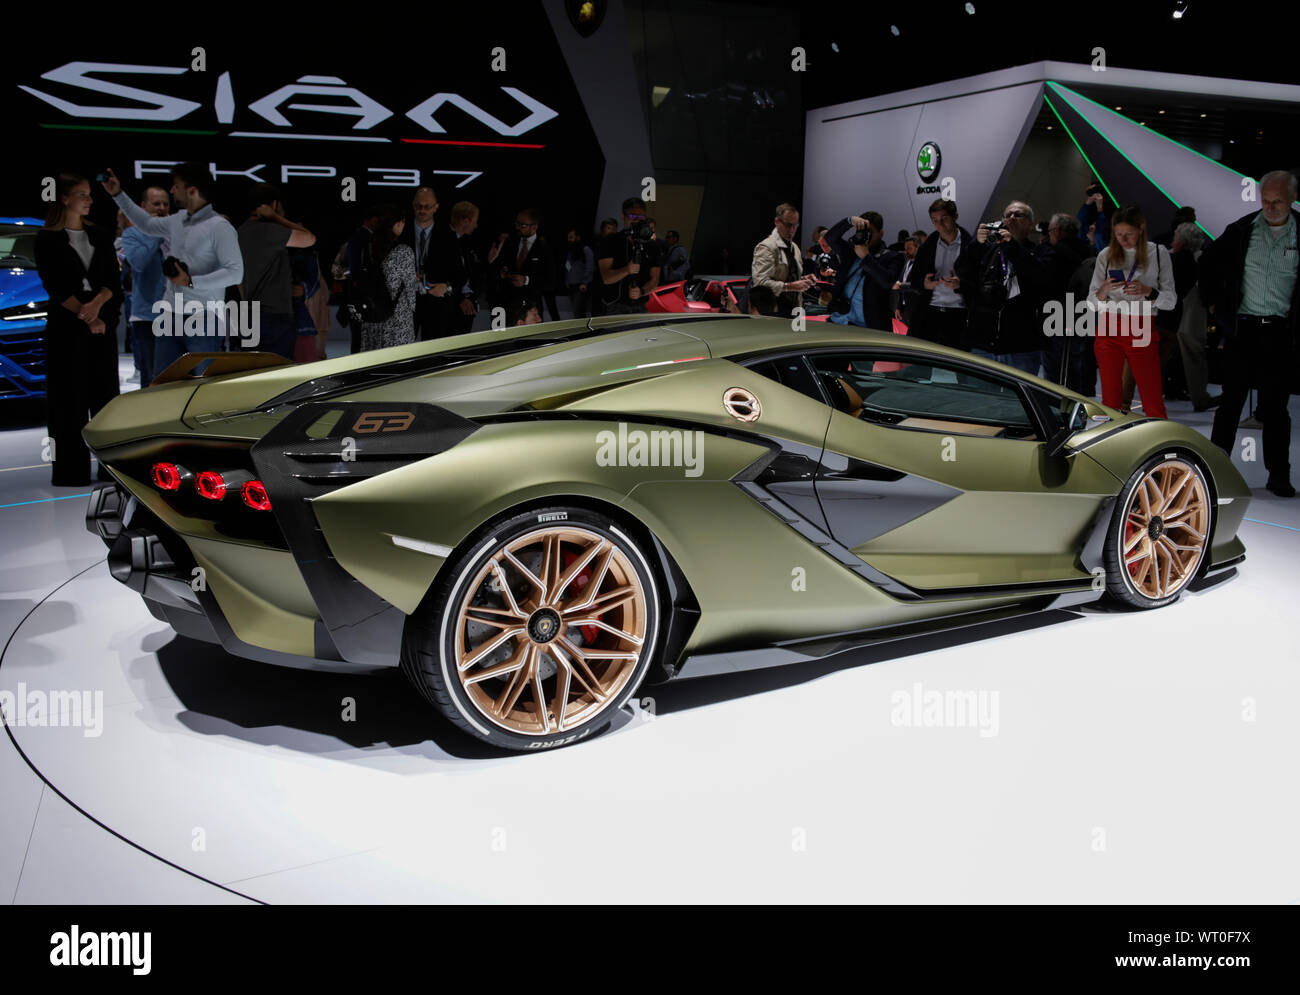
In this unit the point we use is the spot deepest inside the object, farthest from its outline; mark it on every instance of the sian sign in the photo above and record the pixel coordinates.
(134, 103)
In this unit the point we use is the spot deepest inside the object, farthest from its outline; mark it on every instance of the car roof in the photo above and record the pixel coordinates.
(750, 335)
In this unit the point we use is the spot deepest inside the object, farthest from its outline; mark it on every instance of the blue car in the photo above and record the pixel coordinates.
(22, 312)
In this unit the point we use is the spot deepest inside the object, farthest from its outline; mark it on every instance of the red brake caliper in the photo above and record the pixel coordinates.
(1129, 530)
(576, 586)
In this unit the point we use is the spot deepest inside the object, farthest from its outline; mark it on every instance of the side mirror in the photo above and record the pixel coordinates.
(1075, 420)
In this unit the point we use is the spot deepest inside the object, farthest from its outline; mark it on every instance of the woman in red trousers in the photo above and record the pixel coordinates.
(1133, 279)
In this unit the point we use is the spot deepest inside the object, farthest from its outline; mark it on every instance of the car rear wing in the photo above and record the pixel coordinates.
(202, 365)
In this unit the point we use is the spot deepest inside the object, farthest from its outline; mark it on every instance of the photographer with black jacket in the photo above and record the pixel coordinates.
(627, 265)
(865, 272)
(1008, 286)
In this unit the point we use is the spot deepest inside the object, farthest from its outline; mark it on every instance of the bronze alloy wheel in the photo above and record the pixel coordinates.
(1166, 528)
(550, 631)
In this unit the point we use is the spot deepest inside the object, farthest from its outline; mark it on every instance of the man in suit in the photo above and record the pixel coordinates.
(468, 268)
(526, 265)
(940, 301)
(434, 246)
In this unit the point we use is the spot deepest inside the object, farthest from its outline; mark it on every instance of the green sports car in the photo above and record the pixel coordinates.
(535, 522)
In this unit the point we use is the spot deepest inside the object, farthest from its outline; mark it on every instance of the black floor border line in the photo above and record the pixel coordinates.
(49, 784)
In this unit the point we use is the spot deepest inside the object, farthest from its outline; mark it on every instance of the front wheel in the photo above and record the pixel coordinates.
(1160, 533)
(539, 633)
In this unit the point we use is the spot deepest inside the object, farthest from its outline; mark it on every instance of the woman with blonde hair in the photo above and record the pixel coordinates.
(1133, 278)
(78, 267)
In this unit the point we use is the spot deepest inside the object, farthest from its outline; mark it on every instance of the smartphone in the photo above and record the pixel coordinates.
(101, 177)
(1117, 275)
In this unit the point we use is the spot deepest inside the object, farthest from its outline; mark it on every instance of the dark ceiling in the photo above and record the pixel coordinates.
(939, 41)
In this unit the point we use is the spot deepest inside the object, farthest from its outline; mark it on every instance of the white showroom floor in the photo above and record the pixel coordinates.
(1119, 757)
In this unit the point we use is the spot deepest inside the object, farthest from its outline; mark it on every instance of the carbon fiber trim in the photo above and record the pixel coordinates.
(783, 654)
(817, 537)
(1108, 433)
(358, 444)
(862, 501)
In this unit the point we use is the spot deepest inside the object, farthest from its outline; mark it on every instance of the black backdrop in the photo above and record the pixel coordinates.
(213, 116)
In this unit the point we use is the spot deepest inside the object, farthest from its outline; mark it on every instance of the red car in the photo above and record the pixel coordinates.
(699, 294)
(715, 293)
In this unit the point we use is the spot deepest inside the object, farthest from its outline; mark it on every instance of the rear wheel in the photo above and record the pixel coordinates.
(1160, 533)
(540, 632)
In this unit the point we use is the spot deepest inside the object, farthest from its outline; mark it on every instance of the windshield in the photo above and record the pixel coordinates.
(18, 246)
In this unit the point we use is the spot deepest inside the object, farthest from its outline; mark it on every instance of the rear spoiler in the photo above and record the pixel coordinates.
(201, 365)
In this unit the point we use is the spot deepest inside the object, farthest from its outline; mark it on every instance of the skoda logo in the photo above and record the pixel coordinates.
(927, 161)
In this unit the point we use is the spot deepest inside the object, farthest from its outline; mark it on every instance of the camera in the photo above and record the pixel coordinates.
(639, 231)
(172, 266)
(821, 261)
(994, 227)
(641, 234)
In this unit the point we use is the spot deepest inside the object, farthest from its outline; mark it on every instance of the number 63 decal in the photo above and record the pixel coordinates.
(383, 421)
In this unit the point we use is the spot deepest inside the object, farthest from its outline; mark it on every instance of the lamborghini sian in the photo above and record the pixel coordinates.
(533, 523)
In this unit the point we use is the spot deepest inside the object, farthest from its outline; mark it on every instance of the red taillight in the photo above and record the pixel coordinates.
(255, 496)
(167, 476)
(210, 485)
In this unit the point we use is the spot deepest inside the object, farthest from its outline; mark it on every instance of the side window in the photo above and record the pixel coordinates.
(1055, 411)
(924, 397)
(790, 372)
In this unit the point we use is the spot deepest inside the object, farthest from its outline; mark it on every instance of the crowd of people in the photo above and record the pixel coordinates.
(185, 278)
(1075, 298)
(410, 274)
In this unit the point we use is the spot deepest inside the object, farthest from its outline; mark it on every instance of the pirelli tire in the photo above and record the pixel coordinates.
(557, 605)
(1159, 537)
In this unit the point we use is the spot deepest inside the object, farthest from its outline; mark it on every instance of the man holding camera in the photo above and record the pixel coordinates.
(1009, 285)
(778, 262)
(627, 264)
(1094, 218)
(204, 260)
(865, 272)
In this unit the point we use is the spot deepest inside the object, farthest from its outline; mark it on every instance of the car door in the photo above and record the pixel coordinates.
(937, 475)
